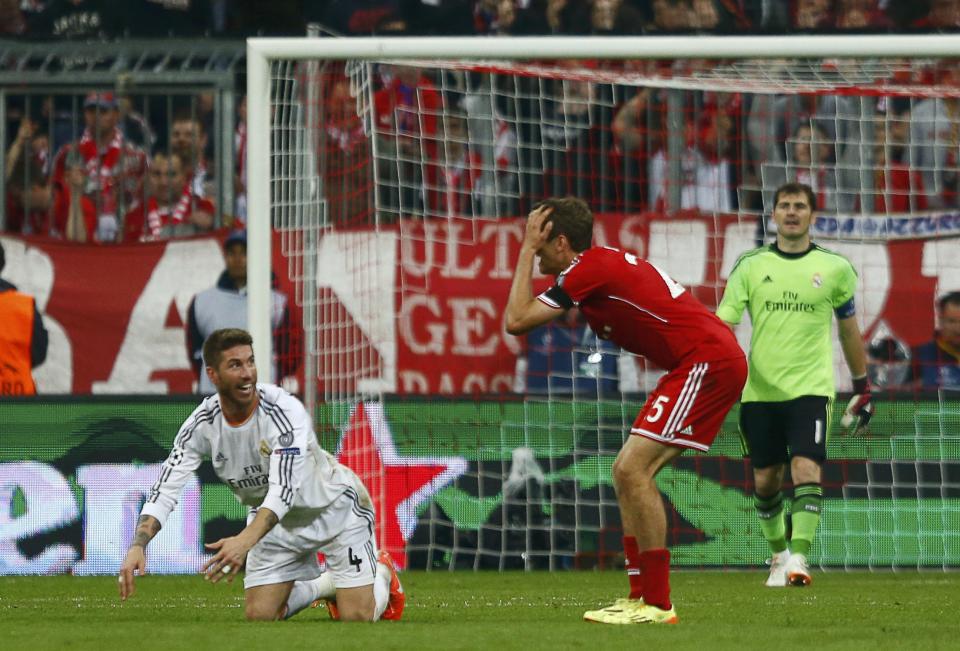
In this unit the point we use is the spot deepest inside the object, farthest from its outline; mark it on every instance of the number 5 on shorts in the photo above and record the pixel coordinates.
(656, 409)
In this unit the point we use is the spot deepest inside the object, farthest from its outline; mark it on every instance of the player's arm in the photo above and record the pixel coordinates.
(184, 458)
(135, 561)
(851, 342)
(524, 311)
(735, 296)
(860, 408)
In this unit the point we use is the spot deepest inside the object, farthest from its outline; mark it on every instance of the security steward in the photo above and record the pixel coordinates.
(23, 339)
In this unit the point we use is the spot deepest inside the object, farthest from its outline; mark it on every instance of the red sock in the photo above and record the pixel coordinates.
(632, 552)
(655, 572)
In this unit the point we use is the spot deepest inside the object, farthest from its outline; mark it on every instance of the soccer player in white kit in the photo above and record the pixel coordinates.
(301, 500)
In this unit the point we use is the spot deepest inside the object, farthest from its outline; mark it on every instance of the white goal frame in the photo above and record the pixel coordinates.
(262, 51)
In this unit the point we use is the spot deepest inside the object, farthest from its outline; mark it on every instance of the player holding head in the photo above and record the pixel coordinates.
(301, 500)
(640, 308)
(792, 290)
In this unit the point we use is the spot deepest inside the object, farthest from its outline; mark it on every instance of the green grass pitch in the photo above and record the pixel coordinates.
(718, 610)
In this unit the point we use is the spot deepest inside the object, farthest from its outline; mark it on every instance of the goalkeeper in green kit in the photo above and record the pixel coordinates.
(792, 289)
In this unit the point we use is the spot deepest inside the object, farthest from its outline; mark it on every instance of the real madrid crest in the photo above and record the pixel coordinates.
(817, 280)
(264, 448)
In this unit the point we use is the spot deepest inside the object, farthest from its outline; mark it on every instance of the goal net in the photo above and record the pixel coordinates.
(393, 179)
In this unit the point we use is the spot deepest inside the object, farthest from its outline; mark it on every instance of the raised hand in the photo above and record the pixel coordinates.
(537, 233)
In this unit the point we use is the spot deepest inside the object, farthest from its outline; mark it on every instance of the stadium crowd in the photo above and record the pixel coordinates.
(111, 182)
(84, 19)
(112, 175)
(132, 168)
(117, 168)
(107, 166)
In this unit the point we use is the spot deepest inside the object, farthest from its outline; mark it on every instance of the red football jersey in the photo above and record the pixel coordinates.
(641, 309)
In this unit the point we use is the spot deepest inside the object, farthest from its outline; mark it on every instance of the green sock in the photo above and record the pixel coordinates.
(770, 512)
(806, 516)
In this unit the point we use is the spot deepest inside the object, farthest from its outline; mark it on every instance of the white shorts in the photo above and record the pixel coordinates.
(345, 535)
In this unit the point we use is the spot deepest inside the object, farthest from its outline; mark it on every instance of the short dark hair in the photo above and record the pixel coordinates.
(570, 217)
(950, 298)
(221, 340)
(796, 188)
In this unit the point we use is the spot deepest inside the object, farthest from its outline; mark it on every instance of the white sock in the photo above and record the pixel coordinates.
(381, 590)
(305, 593)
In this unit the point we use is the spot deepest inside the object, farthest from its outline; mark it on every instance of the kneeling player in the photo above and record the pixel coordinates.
(302, 500)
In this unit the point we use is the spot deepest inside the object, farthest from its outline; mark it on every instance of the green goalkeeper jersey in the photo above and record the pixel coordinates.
(791, 298)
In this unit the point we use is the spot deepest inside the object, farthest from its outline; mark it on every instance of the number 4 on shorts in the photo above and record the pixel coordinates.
(354, 560)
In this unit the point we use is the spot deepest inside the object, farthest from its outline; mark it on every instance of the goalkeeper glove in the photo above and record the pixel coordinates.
(857, 415)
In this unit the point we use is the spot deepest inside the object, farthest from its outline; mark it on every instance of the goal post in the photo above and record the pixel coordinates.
(262, 51)
(259, 220)
(391, 177)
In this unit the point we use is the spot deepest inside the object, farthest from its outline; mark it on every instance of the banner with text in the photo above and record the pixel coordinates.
(425, 299)
(471, 484)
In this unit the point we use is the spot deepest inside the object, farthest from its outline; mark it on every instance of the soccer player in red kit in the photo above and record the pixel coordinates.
(640, 308)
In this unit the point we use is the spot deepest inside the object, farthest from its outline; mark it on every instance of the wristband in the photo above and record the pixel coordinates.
(861, 385)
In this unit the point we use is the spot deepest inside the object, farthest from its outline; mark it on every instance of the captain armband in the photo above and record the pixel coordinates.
(846, 310)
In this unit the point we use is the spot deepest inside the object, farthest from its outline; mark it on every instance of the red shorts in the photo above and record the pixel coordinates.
(689, 403)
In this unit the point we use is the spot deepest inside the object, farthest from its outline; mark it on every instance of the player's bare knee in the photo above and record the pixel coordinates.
(259, 613)
(261, 616)
(804, 470)
(766, 486)
(617, 472)
(359, 614)
(625, 475)
(628, 477)
(767, 481)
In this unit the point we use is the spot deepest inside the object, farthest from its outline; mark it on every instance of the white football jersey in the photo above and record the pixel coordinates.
(272, 460)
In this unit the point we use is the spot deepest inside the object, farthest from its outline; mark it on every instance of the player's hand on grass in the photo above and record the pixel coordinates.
(230, 558)
(856, 417)
(536, 234)
(134, 563)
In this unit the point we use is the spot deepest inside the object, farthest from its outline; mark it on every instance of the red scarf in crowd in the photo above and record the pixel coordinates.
(102, 166)
(158, 216)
